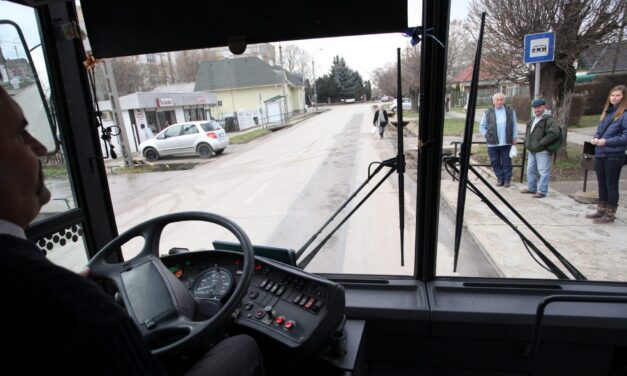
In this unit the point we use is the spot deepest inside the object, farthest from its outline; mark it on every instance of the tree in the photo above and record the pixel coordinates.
(296, 59)
(460, 51)
(326, 88)
(577, 24)
(385, 80)
(345, 80)
(129, 77)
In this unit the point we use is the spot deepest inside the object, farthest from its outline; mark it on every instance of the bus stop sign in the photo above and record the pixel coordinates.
(539, 47)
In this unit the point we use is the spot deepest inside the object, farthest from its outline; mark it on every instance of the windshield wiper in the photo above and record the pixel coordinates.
(464, 164)
(395, 164)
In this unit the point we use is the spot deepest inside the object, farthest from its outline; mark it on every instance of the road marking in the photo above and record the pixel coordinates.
(251, 198)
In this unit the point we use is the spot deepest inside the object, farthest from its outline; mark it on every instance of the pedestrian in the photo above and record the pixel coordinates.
(541, 132)
(448, 102)
(498, 126)
(147, 132)
(380, 120)
(83, 330)
(610, 140)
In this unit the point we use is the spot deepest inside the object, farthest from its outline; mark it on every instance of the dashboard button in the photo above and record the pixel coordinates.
(279, 320)
(260, 313)
(289, 325)
(280, 291)
(309, 303)
(253, 294)
(263, 283)
(303, 300)
(297, 298)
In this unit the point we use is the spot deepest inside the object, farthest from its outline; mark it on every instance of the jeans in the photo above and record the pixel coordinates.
(501, 162)
(608, 173)
(539, 171)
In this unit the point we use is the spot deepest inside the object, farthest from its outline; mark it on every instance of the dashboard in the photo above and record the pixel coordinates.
(298, 309)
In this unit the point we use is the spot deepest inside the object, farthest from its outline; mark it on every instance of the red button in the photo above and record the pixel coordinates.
(279, 320)
(289, 324)
(309, 303)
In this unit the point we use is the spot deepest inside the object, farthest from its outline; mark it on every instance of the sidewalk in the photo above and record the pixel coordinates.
(599, 252)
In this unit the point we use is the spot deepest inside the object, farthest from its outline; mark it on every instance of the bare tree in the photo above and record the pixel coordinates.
(128, 75)
(187, 62)
(577, 24)
(295, 59)
(460, 47)
(384, 79)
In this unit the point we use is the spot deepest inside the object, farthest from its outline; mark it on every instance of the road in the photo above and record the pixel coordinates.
(280, 189)
(33, 107)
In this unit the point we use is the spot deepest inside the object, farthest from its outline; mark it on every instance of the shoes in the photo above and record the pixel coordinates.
(499, 184)
(600, 211)
(527, 191)
(506, 184)
(538, 195)
(608, 216)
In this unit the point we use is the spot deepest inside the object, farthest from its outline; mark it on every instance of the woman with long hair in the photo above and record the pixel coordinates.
(611, 142)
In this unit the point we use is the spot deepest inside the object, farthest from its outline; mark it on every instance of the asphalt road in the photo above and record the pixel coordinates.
(280, 189)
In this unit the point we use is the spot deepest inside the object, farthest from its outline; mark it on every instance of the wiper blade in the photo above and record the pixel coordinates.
(464, 154)
(550, 266)
(400, 156)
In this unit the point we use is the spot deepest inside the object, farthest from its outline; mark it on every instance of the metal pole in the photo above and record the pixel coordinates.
(536, 89)
(315, 96)
(117, 114)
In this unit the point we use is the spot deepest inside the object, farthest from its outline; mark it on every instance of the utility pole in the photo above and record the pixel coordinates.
(117, 113)
(315, 96)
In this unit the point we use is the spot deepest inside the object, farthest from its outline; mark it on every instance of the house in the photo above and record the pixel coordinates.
(490, 82)
(604, 58)
(252, 91)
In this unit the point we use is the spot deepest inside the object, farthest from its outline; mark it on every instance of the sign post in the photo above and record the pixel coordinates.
(539, 48)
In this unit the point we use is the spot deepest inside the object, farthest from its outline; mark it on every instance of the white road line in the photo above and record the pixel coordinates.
(252, 197)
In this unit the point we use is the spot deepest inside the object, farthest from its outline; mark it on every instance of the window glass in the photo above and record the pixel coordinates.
(173, 131)
(210, 126)
(65, 247)
(560, 193)
(190, 129)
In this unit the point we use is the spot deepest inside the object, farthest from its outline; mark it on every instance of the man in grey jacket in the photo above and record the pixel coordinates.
(498, 126)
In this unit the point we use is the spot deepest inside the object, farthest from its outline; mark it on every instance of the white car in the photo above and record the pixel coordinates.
(204, 138)
(406, 105)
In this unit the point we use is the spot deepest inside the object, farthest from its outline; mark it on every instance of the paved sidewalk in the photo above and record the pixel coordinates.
(598, 251)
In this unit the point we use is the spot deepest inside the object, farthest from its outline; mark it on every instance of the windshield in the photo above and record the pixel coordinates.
(306, 129)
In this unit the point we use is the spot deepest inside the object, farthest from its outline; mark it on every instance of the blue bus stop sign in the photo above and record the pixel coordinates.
(539, 47)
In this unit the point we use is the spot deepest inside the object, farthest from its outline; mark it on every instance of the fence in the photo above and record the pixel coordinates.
(523, 156)
(56, 159)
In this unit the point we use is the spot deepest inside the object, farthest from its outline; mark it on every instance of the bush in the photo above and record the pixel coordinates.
(521, 103)
(577, 108)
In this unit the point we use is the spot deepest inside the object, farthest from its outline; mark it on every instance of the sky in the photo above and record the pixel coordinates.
(358, 51)
(363, 54)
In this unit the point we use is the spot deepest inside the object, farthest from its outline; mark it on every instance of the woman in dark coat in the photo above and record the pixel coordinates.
(380, 120)
(611, 142)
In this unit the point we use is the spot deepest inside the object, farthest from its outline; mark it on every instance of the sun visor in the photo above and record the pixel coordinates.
(122, 27)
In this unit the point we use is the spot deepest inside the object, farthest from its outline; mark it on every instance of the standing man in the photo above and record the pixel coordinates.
(541, 132)
(380, 120)
(498, 126)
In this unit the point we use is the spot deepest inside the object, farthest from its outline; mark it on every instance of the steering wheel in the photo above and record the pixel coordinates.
(159, 303)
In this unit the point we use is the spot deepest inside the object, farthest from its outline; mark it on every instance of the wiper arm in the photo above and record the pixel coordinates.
(400, 156)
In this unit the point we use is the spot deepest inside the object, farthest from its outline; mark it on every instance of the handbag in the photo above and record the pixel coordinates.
(513, 152)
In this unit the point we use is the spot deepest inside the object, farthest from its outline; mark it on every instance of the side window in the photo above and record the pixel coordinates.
(190, 129)
(173, 131)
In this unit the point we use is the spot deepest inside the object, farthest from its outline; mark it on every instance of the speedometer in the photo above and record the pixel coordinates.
(214, 283)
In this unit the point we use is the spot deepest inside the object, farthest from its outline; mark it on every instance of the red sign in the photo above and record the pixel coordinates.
(165, 102)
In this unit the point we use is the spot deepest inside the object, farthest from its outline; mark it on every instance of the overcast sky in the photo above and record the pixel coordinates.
(365, 54)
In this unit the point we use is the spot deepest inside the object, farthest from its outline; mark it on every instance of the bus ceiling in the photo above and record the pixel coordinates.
(122, 28)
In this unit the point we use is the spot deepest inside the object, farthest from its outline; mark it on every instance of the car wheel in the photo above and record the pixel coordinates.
(204, 151)
(151, 154)
(219, 151)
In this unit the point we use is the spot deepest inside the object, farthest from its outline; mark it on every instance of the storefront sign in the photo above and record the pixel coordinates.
(165, 102)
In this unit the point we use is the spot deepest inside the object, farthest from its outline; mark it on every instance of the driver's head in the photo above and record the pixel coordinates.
(22, 190)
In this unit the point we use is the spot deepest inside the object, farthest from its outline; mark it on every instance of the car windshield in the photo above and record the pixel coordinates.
(210, 126)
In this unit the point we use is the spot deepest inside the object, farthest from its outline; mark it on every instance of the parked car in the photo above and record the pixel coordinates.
(204, 138)
(406, 105)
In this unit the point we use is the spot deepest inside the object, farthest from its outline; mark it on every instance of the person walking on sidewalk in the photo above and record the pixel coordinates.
(609, 156)
(380, 120)
(541, 132)
(498, 126)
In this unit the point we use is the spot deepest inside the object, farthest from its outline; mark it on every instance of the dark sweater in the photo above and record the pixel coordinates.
(62, 322)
